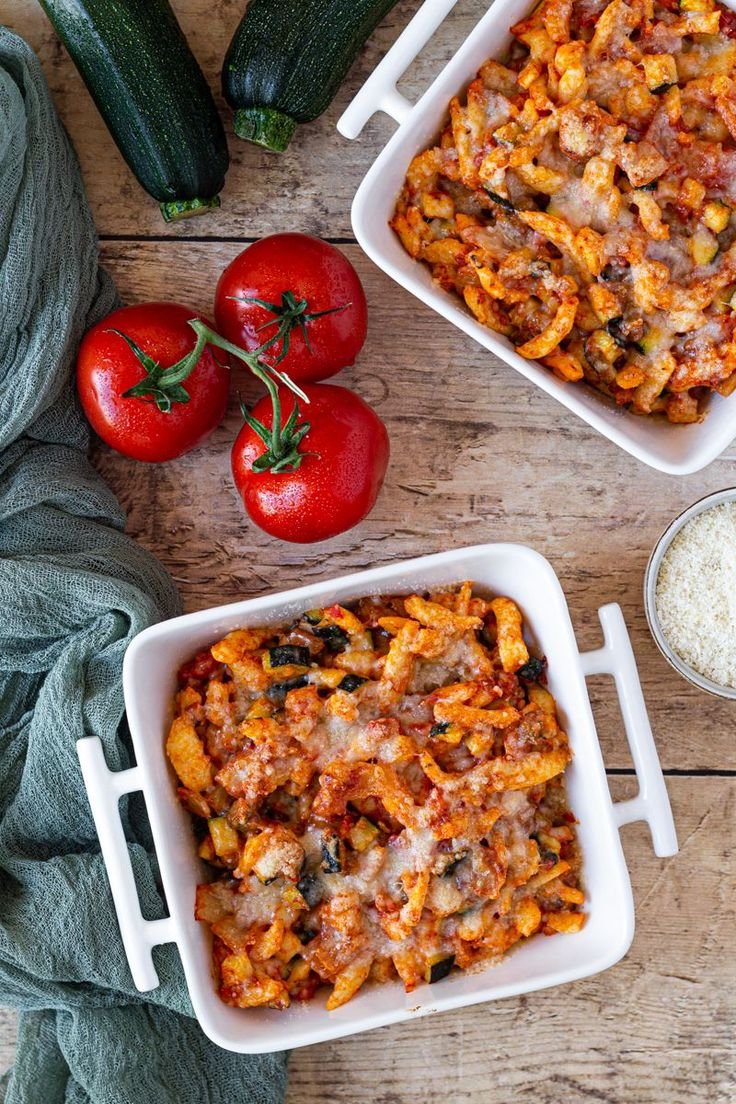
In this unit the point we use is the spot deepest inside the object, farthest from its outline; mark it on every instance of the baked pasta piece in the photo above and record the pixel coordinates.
(581, 198)
(379, 793)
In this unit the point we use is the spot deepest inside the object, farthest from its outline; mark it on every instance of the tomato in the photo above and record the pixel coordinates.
(107, 368)
(300, 276)
(342, 461)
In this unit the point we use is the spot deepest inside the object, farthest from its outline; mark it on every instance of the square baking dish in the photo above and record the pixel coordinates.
(675, 449)
(149, 679)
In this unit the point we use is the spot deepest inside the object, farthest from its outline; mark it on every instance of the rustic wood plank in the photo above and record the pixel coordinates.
(656, 1029)
(478, 454)
(307, 188)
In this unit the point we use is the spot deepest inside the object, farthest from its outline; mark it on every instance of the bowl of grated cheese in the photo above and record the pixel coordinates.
(690, 593)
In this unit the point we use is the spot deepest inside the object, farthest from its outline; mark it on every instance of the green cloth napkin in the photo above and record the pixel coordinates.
(74, 590)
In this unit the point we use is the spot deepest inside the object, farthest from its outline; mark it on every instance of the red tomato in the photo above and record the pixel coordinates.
(345, 455)
(107, 367)
(320, 278)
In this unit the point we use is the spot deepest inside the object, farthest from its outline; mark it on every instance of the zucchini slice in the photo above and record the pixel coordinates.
(277, 693)
(335, 638)
(532, 669)
(311, 888)
(438, 967)
(363, 834)
(352, 682)
(287, 654)
(331, 858)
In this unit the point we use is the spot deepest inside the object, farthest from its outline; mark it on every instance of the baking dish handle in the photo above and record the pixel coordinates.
(652, 802)
(379, 91)
(104, 790)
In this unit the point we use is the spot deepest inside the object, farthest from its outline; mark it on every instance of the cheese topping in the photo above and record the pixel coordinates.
(379, 793)
(696, 594)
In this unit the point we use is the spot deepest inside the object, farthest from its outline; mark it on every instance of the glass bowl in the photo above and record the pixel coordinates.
(650, 589)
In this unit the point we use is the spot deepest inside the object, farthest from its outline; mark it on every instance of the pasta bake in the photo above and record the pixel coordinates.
(581, 199)
(379, 793)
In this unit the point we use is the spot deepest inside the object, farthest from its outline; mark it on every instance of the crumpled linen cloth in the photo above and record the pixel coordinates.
(74, 590)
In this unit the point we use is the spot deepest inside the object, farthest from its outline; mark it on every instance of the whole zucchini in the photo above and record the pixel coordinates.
(150, 91)
(287, 60)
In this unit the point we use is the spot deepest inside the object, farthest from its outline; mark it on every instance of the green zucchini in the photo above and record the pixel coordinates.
(150, 91)
(438, 967)
(286, 655)
(287, 60)
(335, 638)
(331, 857)
(351, 682)
(277, 693)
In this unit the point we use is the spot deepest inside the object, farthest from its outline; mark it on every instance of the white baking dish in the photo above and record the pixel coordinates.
(676, 449)
(149, 679)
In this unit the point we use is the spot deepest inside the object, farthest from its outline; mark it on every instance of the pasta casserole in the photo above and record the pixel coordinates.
(581, 199)
(379, 793)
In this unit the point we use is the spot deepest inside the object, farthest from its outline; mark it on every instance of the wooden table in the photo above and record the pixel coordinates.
(478, 454)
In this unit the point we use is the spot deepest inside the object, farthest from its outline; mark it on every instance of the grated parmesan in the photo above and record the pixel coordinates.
(696, 594)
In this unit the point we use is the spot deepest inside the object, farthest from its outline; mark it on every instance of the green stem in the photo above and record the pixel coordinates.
(265, 126)
(276, 446)
(264, 372)
(282, 440)
(287, 315)
(174, 210)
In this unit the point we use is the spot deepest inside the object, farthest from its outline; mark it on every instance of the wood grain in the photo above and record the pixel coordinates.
(658, 1028)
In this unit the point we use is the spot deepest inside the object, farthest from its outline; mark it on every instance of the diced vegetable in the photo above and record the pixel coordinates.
(600, 346)
(614, 328)
(502, 201)
(363, 834)
(279, 690)
(287, 654)
(438, 967)
(351, 682)
(660, 72)
(716, 216)
(447, 732)
(703, 246)
(335, 638)
(692, 193)
(225, 839)
(206, 849)
(310, 887)
(546, 854)
(651, 340)
(314, 616)
(532, 669)
(331, 860)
